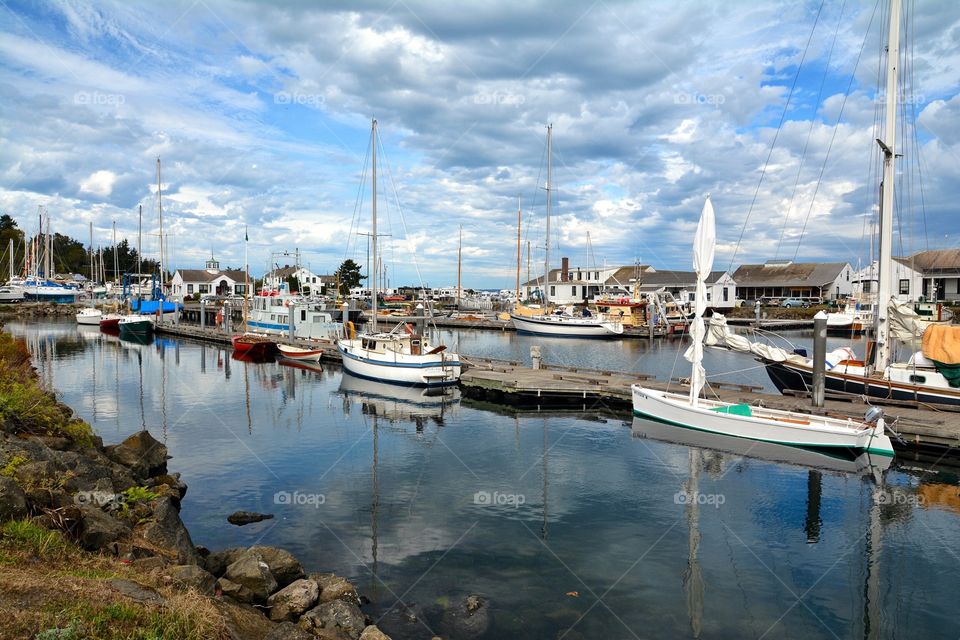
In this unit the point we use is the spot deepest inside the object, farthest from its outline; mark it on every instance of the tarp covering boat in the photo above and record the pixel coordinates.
(941, 343)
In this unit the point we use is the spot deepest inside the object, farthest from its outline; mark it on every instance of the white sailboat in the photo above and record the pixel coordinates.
(559, 325)
(400, 356)
(918, 379)
(741, 420)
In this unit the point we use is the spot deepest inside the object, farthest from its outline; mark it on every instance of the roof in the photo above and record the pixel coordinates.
(202, 275)
(939, 260)
(622, 275)
(794, 274)
(680, 278)
(282, 272)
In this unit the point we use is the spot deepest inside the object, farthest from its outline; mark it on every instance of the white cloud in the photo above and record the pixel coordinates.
(99, 183)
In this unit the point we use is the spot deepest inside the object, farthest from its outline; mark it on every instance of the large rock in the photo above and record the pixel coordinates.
(334, 587)
(373, 633)
(190, 576)
(166, 530)
(330, 617)
(172, 480)
(142, 453)
(99, 530)
(252, 571)
(218, 561)
(284, 567)
(137, 592)
(241, 518)
(235, 590)
(293, 601)
(467, 619)
(13, 501)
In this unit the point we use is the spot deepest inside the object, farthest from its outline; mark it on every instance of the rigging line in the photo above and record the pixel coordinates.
(783, 117)
(833, 137)
(357, 206)
(916, 138)
(806, 143)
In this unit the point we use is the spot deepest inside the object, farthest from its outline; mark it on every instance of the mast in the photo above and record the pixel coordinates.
(160, 212)
(49, 265)
(116, 271)
(518, 249)
(246, 270)
(885, 289)
(91, 256)
(373, 225)
(546, 258)
(459, 256)
(139, 248)
(10, 249)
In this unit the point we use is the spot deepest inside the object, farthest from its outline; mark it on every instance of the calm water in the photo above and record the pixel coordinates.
(564, 523)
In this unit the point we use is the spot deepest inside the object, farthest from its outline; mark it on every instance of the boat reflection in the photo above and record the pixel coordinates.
(399, 403)
(250, 356)
(838, 462)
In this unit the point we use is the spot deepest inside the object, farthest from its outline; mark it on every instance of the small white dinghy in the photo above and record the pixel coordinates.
(296, 353)
(89, 316)
(741, 420)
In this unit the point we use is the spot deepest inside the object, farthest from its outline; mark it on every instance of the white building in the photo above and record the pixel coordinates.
(788, 279)
(307, 282)
(209, 281)
(931, 275)
(721, 288)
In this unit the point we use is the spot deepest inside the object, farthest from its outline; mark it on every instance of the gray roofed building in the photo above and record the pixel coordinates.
(784, 278)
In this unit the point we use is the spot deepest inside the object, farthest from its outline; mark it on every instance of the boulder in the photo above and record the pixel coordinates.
(241, 518)
(218, 561)
(234, 590)
(334, 587)
(284, 567)
(190, 576)
(141, 453)
(252, 571)
(171, 479)
(136, 591)
(13, 501)
(166, 530)
(41, 473)
(373, 633)
(288, 631)
(99, 530)
(293, 601)
(332, 617)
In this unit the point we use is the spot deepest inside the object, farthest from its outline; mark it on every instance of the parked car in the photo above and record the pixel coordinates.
(795, 303)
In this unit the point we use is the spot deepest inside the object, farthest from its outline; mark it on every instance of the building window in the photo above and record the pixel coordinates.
(240, 289)
(708, 296)
(690, 297)
(596, 275)
(848, 276)
(573, 290)
(553, 290)
(204, 288)
(726, 294)
(866, 286)
(904, 287)
(189, 289)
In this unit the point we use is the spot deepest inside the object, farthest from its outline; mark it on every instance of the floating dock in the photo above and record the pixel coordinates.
(551, 387)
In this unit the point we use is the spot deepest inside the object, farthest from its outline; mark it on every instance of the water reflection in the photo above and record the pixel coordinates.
(601, 517)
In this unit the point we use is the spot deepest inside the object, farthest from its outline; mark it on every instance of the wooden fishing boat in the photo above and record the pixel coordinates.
(296, 353)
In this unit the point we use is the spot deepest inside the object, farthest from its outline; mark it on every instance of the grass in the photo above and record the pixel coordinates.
(25, 406)
(52, 590)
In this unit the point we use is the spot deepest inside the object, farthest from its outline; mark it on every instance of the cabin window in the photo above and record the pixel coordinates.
(189, 289)
(904, 287)
(415, 347)
(918, 379)
(204, 288)
(573, 290)
(726, 294)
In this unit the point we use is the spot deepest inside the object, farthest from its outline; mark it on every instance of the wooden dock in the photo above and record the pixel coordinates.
(552, 387)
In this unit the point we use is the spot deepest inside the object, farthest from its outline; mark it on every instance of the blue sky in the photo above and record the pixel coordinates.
(261, 115)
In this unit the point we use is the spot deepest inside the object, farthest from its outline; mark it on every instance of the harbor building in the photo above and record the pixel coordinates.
(211, 280)
(777, 279)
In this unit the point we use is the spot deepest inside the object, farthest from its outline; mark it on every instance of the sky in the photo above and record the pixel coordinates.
(261, 114)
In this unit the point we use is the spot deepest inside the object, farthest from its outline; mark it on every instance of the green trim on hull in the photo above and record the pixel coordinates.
(881, 452)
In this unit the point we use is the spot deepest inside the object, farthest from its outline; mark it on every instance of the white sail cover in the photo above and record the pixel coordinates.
(720, 335)
(704, 244)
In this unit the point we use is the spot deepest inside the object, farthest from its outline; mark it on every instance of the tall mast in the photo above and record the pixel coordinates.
(49, 267)
(885, 290)
(373, 230)
(139, 249)
(92, 277)
(546, 258)
(10, 249)
(160, 212)
(459, 257)
(116, 271)
(518, 249)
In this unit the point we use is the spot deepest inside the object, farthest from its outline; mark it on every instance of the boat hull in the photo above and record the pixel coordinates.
(110, 321)
(566, 328)
(89, 317)
(435, 370)
(791, 377)
(138, 327)
(302, 355)
(254, 348)
(674, 409)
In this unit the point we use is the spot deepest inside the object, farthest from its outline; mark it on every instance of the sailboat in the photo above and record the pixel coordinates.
(400, 356)
(919, 379)
(559, 324)
(742, 420)
(250, 344)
